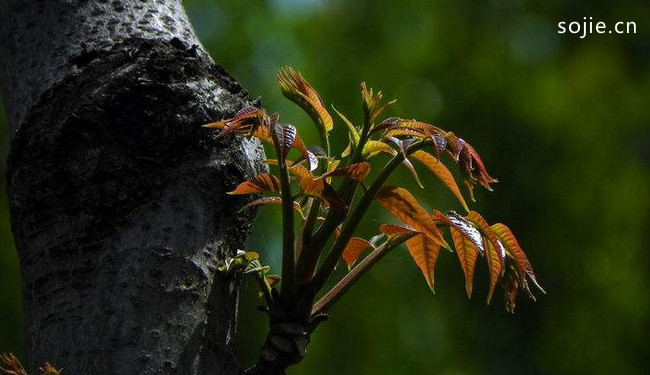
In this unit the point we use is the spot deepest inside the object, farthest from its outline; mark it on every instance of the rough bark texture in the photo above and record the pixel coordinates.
(116, 192)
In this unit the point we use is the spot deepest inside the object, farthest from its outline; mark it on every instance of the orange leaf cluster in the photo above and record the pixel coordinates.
(472, 236)
(330, 212)
(12, 366)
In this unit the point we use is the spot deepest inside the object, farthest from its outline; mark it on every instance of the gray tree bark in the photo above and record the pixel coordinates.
(117, 194)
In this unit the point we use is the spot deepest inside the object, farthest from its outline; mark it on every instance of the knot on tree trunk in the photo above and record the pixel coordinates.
(287, 340)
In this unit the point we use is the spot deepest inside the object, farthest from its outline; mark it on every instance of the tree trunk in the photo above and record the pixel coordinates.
(117, 194)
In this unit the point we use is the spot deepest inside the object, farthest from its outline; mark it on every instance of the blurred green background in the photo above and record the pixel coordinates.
(562, 122)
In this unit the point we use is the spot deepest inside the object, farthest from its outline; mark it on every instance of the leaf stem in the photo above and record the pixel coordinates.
(346, 191)
(311, 218)
(324, 140)
(308, 256)
(351, 277)
(288, 285)
(312, 244)
(355, 217)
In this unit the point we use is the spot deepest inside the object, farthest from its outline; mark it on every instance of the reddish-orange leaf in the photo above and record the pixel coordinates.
(467, 254)
(420, 129)
(299, 145)
(492, 252)
(300, 172)
(521, 263)
(475, 167)
(424, 252)
(248, 111)
(531, 274)
(452, 219)
(470, 163)
(243, 117)
(247, 119)
(234, 127)
(312, 160)
(467, 241)
(402, 132)
(357, 171)
(296, 170)
(419, 125)
(439, 169)
(11, 365)
(403, 205)
(386, 125)
(262, 129)
(496, 262)
(454, 144)
(473, 170)
(217, 124)
(253, 122)
(312, 186)
(353, 249)
(320, 189)
(510, 285)
(512, 247)
(259, 184)
(299, 91)
(412, 130)
(392, 230)
(263, 133)
(273, 200)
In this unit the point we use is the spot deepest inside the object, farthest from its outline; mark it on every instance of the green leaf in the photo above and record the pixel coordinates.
(352, 130)
(240, 261)
(372, 148)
